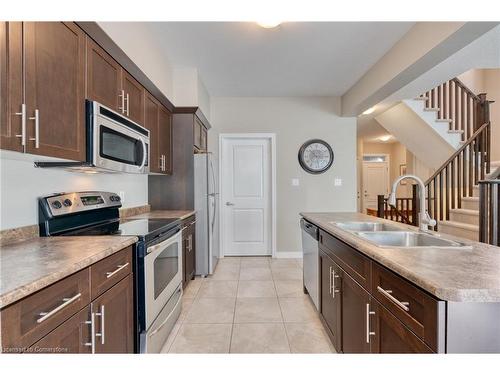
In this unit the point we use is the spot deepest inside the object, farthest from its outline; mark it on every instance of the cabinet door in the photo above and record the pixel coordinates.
(151, 123)
(104, 77)
(391, 335)
(331, 304)
(165, 139)
(134, 98)
(55, 89)
(190, 251)
(355, 314)
(203, 139)
(11, 85)
(197, 133)
(113, 314)
(73, 336)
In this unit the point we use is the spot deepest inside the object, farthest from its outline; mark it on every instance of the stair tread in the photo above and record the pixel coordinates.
(443, 120)
(455, 131)
(471, 199)
(457, 224)
(431, 109)
(420, 98)
(465, 211)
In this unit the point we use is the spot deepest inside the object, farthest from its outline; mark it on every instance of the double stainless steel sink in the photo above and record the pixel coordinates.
(386, 235)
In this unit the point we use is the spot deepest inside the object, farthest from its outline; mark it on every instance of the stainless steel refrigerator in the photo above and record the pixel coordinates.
(206, 204)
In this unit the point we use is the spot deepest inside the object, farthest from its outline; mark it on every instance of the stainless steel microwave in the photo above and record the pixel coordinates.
(113, 144)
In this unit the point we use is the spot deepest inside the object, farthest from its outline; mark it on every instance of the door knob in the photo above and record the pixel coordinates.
(229, 204)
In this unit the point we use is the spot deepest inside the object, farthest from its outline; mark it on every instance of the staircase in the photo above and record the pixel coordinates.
(450, 119)
(464, 221)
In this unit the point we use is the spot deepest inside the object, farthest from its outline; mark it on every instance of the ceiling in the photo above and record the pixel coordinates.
(294, 59)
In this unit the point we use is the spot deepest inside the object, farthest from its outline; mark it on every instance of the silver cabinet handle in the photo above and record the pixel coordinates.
(368, 332)
(128, 105)
(330, 290)
(387, 293)
(23, 124)
(229, 204)
(334, 276)
(122, 96)
(120, 267)
(101, 335)
(66, 302)
(37, 128)
(92, 332)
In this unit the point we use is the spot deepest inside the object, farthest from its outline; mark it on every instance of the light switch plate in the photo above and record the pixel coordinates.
(338, 182)
(295, 182)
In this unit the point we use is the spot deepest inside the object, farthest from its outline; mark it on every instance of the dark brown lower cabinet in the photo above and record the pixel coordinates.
(331, 299)
(391, 335)
(189, 249)
(355, 312)
(73, 336)
(113, 314)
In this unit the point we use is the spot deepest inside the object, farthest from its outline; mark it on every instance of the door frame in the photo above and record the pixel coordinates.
(387, 161)
(272, 139)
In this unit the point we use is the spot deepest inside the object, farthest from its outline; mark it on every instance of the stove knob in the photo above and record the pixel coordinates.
(115, 198)
(56, 204)
(67, 203)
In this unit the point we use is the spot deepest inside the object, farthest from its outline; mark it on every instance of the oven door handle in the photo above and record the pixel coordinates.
(144, 153)
(164, 244)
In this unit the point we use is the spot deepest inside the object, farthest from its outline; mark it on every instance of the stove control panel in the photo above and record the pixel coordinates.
(71, 203)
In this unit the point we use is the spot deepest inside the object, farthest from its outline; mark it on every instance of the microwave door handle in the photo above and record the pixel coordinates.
(144, 153)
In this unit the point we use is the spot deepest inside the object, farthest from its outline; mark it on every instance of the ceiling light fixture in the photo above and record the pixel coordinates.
(385, 138)
(369, 110)
(269, 24)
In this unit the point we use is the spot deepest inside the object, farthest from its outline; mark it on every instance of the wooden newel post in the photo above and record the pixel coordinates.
(482, 111)
(381, 206)
(414, 205)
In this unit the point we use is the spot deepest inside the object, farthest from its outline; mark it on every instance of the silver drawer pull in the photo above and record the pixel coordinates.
(66, 302)
(387, 293)
(120, 267)
(368, 332)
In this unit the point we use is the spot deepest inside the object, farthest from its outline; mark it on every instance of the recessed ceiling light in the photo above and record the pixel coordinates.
(385, 138)
(369, 110)
(269, 24)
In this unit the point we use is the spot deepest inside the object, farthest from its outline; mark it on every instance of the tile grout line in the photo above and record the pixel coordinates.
(282, 317)
(234, 309)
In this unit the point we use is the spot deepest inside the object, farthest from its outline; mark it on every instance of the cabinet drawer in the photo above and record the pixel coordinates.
(414, 307)
(352, 261)
(110, 270)
(27, 321)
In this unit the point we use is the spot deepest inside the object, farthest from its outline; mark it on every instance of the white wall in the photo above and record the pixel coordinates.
(21, 184)
(294, 121)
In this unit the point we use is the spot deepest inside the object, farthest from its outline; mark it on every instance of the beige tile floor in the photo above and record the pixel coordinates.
(249, 305)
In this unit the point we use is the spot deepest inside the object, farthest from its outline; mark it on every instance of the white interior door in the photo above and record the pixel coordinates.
(246, 196)
(375, 182)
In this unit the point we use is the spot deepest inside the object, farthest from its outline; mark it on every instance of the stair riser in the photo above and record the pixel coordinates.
(470, 205)
(463, 218)
(459, 232)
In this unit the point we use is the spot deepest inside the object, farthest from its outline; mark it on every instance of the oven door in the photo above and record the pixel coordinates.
(163, 275)
(118, 147)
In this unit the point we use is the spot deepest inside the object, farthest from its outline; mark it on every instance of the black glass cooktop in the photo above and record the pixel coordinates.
(133, 227)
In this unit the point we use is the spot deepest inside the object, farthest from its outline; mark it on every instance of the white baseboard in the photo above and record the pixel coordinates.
(288, 254)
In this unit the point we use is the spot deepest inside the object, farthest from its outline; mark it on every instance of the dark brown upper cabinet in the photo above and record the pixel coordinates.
(109, 84)
(12, 108)
(103, 78)
(55, 89)
(133, 94)
(158, 121)
(165, 140)
(200, 135)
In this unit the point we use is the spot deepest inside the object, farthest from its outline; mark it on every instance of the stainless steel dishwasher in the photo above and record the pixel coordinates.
(310, 250)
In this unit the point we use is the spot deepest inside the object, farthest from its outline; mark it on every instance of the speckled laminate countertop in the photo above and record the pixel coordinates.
(28, 266)
(164, 214)
(460, 275)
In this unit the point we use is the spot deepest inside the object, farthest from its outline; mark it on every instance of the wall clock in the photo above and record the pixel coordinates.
(315, 156)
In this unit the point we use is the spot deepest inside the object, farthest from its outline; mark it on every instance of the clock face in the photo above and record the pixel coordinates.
(315, 156)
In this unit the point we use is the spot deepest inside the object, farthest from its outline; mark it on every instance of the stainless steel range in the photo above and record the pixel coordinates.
(157, 261)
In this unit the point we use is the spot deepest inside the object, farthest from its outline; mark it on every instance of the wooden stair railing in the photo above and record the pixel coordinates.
(405, 210)
(457, 177)
(458, 105)
(489, 211)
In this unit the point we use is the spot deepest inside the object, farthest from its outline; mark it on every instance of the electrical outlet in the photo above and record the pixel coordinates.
(295, 182)
(338, 182)
(122, 196)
